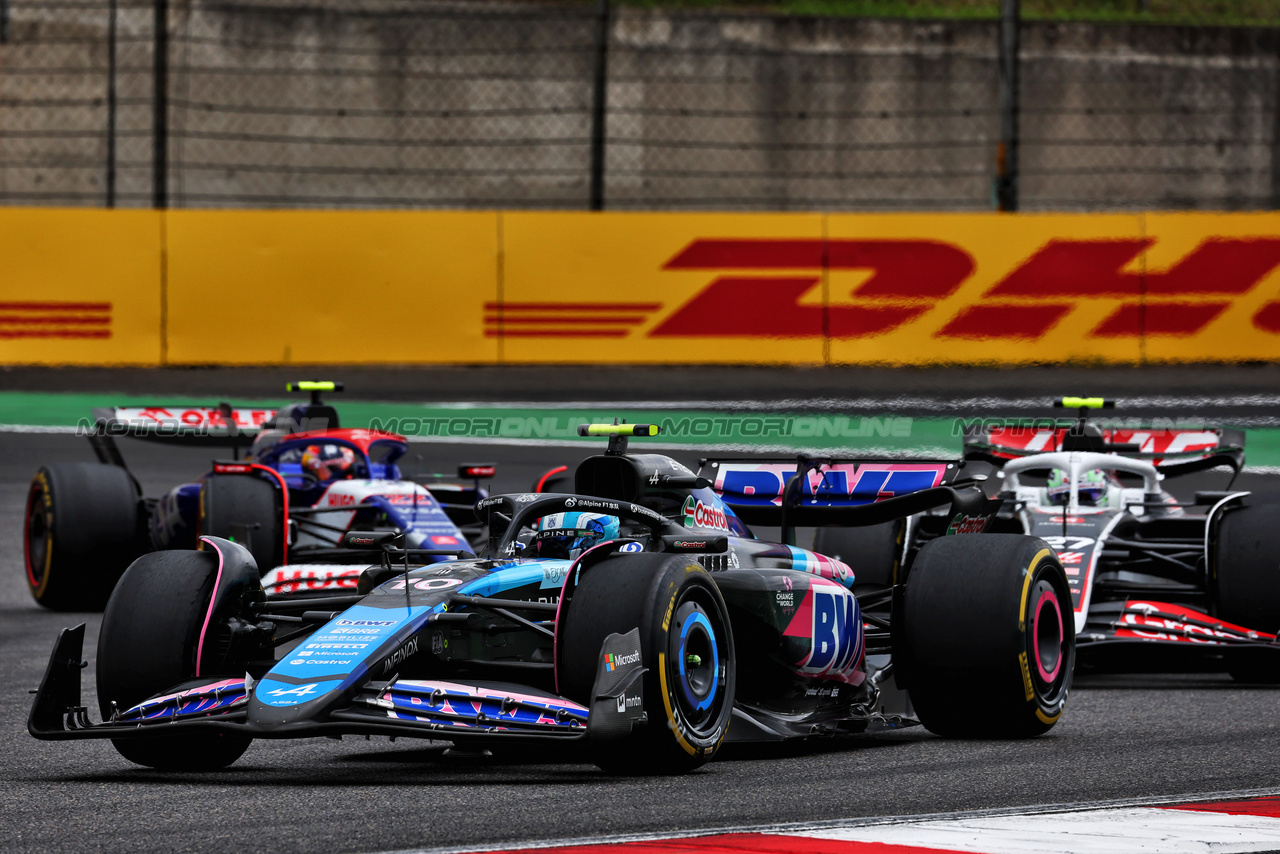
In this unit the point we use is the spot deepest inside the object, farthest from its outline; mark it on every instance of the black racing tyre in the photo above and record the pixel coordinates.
(1246, 585)
(84, 524)
(686, 643)
(245, 509)
(871, 551)
(161, 630)
(986, 643)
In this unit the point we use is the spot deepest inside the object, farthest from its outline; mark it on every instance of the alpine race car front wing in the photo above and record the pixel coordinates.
(431, 709)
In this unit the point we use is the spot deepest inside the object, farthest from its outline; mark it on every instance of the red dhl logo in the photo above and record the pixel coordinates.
(55, 320)
(907, 279)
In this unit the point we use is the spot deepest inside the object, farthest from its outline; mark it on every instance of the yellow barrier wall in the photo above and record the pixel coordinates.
(592, 288)
(347, 287)
(408, 287)
(80, 287)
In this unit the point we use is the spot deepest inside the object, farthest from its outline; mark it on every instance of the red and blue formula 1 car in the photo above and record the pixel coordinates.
(637, 616)
(304, 483)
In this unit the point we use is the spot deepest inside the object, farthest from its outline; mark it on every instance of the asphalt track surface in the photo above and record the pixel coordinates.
(1121, 736)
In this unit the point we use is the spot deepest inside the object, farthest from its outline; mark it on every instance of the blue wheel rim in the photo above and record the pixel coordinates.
(698, 620)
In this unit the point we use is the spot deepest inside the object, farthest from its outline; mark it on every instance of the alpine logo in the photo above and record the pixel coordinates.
(699, 515)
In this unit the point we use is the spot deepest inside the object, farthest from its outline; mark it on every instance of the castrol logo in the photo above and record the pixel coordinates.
(697, 514)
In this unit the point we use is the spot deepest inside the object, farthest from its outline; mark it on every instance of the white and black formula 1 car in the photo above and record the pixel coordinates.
(303, 484)
(1156, 581)
(636, 616)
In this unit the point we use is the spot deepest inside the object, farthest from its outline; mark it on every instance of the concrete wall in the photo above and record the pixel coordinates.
(280, 103)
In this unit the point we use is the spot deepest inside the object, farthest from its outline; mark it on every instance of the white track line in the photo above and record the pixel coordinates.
(34, 428)
(1134, 830)
(825, 828)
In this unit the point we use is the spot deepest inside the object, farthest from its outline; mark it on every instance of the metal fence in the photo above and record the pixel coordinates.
(483, 104)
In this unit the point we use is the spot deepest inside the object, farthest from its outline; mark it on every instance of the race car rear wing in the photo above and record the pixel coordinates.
(221, 426)
(214, 426)
(820, 492)
(1173, 451)
(1177, 450)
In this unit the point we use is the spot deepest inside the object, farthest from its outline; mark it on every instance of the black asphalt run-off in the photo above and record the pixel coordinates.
(1121, 736)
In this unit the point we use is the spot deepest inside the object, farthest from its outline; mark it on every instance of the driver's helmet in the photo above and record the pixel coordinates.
(1093, 486)
(329, 461)
(564, 536)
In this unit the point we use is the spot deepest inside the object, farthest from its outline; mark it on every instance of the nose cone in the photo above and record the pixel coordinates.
(320, 673)
(276, 703)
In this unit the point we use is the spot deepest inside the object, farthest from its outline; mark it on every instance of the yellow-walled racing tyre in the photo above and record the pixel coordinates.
(986, 640)
(84, 524)
(686, 644)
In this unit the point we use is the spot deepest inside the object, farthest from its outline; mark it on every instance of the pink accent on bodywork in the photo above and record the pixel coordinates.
(479, 693)
(801, 626)
(190, 693)
(854, 472)
(213, 597)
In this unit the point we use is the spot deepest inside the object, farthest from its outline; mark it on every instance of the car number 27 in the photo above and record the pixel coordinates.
(1068, 544)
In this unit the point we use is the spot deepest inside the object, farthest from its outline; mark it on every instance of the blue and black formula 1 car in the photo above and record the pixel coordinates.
(637, 616)
(304, 483)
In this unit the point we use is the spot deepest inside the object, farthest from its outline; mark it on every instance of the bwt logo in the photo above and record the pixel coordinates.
(833, 627)
(761, 292)
(843, 483)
